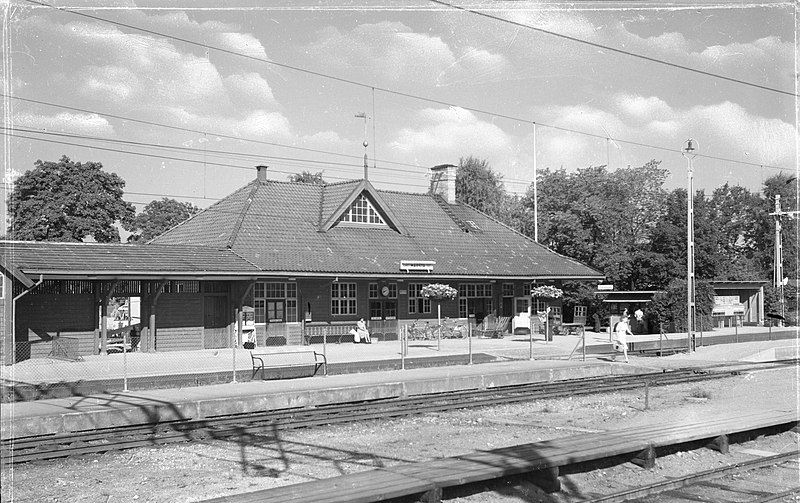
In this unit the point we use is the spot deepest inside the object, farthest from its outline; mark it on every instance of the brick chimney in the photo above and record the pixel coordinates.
(262, 172)
(443, 182)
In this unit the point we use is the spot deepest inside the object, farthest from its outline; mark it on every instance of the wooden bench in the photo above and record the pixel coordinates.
(334, 332)
(287, 359)
(541, 459)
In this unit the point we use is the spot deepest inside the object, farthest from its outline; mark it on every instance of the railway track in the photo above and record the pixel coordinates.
(38, 448)
(763, 480)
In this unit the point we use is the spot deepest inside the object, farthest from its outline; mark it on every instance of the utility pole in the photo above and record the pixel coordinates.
(777, 271)
(689, 152)
(363, 115)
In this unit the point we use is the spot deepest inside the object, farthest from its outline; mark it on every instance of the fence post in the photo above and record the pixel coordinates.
(401, 335)
(660, 339)
(325, 346)
(124, 362)
(646, 394)
(530, 342)
(583, 343)
(469, 332)
(233, 346)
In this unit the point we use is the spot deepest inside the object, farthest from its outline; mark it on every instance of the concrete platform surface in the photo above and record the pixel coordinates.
(101, 411)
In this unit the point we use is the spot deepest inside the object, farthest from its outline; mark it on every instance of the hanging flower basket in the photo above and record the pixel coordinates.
(547, 292)
(438, 291)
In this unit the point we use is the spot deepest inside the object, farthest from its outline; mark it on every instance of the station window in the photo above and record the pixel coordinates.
(343, 298)
(417, 304)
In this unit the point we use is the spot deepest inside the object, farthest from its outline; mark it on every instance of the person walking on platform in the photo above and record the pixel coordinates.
(622, 330)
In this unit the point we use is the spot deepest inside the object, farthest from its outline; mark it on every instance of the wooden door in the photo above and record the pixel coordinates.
(215, 322)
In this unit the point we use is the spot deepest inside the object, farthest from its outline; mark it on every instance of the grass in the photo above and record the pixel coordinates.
(698, 392)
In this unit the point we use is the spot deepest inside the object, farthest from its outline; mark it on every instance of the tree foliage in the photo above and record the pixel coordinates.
(670, 306)
(307, 177)
(158, 217)
(67, 201)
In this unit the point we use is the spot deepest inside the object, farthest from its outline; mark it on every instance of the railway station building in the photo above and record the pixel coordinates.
(285, 256)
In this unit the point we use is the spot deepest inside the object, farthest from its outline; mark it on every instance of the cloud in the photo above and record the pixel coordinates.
(389, 50)
(67, 122)
(256, 124)
(724, 129)
(243, 43)
(250, 88)
(393, 52)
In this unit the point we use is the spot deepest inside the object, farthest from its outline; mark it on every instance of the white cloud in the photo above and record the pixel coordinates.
(388, 49)
(446, 135)
(244, 43)
(725, 129)
(250, 88)
(642, 108)
(67, 122)
(258, 124)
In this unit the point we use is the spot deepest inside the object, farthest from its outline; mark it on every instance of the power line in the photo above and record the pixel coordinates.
(617, 50)
(197, 131)
(382, 89)
(171, 158)
(199, 151)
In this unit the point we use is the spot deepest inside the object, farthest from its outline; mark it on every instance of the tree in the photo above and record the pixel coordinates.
(67, 201)
(670, 307)
(308, 177)
(605, 219)
(480, 187)
(158, 217)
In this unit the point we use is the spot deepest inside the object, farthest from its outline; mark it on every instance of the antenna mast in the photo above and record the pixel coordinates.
(363, 115)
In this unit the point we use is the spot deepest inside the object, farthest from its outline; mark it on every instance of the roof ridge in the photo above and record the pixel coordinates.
(527, 237)
(345, 182)
(242, 214)
(242, 188)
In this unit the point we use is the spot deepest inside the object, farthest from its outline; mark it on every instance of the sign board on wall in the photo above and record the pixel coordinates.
(727, 305)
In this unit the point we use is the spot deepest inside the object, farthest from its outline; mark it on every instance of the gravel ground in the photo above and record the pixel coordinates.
(193, 472)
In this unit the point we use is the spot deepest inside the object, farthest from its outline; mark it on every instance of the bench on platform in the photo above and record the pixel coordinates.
(541, 459)
(332, 332)
(286, 359)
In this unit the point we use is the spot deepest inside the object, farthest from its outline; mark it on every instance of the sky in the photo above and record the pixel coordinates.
(189, 97)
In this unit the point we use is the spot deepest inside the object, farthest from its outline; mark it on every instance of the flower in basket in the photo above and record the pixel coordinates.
(547, 291)
(438, 291)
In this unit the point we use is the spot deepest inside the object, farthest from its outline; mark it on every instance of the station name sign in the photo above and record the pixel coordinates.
(417, 265)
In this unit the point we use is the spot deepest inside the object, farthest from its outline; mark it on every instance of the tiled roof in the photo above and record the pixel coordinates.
(124, 259)
(280, 232)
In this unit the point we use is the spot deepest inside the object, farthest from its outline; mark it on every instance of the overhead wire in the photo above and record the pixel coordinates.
(388, 90)
(171, 158)
(615, 49)
(197, 131)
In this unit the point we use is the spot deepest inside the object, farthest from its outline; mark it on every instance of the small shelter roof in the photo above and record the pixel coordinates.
(104, 260)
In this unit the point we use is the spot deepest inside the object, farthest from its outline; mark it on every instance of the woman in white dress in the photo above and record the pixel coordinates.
(622, 330)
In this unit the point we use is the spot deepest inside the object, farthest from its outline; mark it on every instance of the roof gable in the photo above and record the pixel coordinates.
(363, 187)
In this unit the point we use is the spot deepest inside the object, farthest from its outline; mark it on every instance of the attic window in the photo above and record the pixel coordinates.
(473, 225)
(362, 212)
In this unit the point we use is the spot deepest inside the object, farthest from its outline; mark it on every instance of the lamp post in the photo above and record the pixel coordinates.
(689, 152)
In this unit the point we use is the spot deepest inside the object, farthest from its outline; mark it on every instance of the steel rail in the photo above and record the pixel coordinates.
(688, 480)
(24, 449)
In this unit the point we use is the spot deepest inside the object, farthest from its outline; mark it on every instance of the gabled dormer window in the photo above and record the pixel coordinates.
(362, 212)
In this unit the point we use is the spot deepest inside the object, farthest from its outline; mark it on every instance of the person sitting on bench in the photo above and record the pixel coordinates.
(360, 333)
